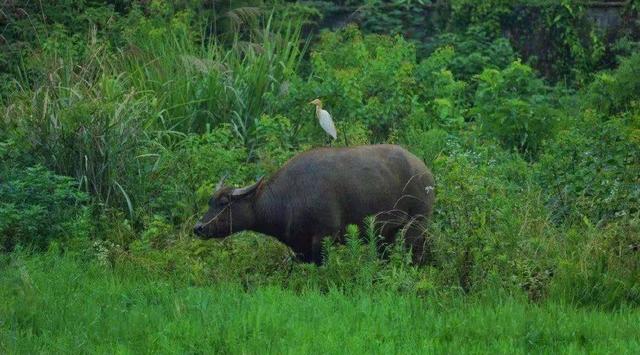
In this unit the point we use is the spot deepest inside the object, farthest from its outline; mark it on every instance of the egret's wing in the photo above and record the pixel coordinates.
(327, 124)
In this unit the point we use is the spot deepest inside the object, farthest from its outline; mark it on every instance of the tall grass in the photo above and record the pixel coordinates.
(108, 118)
(201, 83)
(84, 121)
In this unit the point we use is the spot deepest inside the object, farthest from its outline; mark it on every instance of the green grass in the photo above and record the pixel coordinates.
(53, 304)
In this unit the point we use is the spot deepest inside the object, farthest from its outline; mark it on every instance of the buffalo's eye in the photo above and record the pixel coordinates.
(223, 200)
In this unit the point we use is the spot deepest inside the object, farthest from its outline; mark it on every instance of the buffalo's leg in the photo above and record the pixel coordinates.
(310, 251)
(316, 245)
(387, 225)
(316, 249)
(415, 238)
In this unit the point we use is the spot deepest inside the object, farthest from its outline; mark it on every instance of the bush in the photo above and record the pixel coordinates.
(362, 264)
(248, 259)
(84, 122)
(591, 170)
(199, 82)
(38, 207)
(181, 176)
(476, 50)
(32, 27)
(429, 145)
(441, 93)
(558, 38)
(515, 107)
(278, 139)
(490, 229)
(366, 79)
(616, 91)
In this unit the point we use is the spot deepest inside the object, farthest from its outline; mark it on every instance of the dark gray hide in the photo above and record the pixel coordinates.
(319, 192)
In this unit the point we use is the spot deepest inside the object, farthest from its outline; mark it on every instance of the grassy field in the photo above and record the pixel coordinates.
(62, 305)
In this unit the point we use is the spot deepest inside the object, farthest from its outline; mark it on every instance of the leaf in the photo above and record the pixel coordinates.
(126, 196)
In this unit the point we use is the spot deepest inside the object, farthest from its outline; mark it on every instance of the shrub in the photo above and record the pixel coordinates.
(558, 38)
(490, 228)
(277, 137)
(38, 207)
(618, 90)
(85, 123)
(591, 170)
(361, 264)
(352, 265)
(365, 78)
(31, 28)
(181, 176)
(408, 18)
(515, 107)
(248, 259)
(429, 145)
(105, 118)
(442, 94)
(475, 50)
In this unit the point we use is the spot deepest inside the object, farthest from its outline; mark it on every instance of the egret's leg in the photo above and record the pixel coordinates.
(328, 141)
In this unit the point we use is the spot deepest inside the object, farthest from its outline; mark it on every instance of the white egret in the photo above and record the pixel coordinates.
(325, 119)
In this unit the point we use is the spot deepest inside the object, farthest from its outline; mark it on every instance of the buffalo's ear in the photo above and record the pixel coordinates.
(246, 191)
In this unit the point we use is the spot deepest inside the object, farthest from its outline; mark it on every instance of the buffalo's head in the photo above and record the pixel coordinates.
(230, 210)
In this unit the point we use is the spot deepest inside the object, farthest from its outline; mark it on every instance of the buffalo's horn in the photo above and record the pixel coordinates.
(221, 182)
(246, 190)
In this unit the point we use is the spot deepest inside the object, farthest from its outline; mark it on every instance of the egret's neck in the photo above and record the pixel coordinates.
(318, 109)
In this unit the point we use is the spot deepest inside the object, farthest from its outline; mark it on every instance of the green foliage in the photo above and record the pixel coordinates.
(277, 136)
(85, 129)
(440, 91)
(145, 105)
(602, 268)
(571, 36)
(490, 225)
(182, 175)
(31, 27)
(38, 207)
(514, 106)
(111, 120)
(199, 83)
(353, 265)
(366, 78)
(362, 263)
(130, 310)
(428, 145)
(591, 170)
(616, 91)
(557, 38)
(249, 260)
(410, 18)
(474, 51)
(487, 15)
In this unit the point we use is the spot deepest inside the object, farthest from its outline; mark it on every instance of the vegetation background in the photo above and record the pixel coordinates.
(118, 117)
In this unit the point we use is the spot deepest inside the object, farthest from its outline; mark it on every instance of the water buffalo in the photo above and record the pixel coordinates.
(319, 192)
